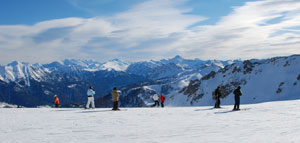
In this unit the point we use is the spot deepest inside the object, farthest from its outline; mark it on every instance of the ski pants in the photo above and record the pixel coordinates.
(156, 103)
(56, 105)
(116, 104)
(237, 102)
(218, 102)
(90, 100)
(162, 104)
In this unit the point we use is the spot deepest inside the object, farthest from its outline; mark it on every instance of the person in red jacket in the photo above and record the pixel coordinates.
(56, 101)
(162, 100)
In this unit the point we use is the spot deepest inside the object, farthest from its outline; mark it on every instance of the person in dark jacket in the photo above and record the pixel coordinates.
(115, 98)
(237, 93)
(162, 100)
(217, 96)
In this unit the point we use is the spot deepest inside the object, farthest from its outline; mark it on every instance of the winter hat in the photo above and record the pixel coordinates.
(55, 95)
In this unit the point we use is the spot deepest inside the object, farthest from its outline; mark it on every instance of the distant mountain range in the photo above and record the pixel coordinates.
(265, 80)
(184, 82)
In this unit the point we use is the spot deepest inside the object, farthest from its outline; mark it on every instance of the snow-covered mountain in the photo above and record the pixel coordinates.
(17, 71)
(166, 76)
(115, 64)
(271, 79)
(196, 63)
(70, 78)
(184, 82)
(73, 65)
(261, 80)
(175, 67)
(35, 84)
(86, 65)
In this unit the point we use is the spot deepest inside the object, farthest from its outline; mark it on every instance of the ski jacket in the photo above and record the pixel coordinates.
(217, 93)
(237, 92)
(115, 95)
(155, 97)
(91, 92)
(56, 100)
(162, 98)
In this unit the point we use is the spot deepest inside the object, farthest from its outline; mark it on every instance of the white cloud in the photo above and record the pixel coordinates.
(158, 29)
(247, 33)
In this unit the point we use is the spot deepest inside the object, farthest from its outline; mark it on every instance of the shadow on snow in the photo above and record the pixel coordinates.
(204, 109)
(94, 111)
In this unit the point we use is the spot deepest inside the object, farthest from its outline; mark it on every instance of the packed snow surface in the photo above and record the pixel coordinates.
(272, 122)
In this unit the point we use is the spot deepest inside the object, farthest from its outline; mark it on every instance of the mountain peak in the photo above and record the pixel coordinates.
(178, 57)
(14, 63)
(115, 60)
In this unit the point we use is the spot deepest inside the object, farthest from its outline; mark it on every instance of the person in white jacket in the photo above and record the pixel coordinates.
(91, 92)
(155, 98)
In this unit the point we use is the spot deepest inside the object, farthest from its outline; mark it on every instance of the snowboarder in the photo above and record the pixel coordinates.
(217, 96)
(90, 93)
(56, 101)
(162, 100)
(115, 98)
(155, 98)
(237, 93)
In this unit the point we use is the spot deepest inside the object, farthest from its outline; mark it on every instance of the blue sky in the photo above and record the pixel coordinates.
(135, 30)
(33, 11)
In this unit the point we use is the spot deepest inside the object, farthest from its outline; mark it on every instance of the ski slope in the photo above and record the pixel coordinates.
(272, 122)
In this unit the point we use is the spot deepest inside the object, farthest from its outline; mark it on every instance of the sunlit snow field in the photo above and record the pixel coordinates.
(261, 123)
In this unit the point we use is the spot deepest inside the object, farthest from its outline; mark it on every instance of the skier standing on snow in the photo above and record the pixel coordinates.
(155, 98)
(237, 93)
(56, 101)
(90, 93)
(115, 98)
(162, 100)
(217, 96)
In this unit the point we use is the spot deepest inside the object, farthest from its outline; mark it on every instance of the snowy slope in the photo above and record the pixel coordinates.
(261, 80)
(273, 79)
(169, 85)
(167, 77)
(273, 122)
(5, 105)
